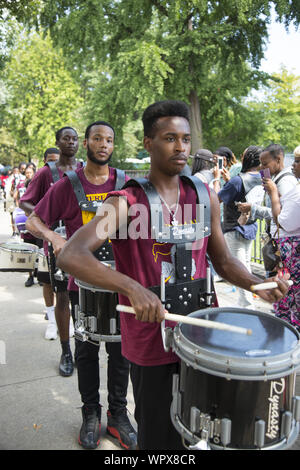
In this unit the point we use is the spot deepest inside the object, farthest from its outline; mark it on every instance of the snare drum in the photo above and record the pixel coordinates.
(42, 267)
(97, 318)
(17, 256)
(236, 391)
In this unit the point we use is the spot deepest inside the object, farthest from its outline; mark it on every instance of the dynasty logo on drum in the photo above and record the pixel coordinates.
(276, 390)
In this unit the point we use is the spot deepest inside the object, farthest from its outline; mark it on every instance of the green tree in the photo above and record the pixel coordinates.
(42, 95)
(12, 11)
(204, 52)
(239, 125)
(281, 107)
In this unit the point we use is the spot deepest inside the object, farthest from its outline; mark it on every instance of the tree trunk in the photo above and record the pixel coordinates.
(195, 122)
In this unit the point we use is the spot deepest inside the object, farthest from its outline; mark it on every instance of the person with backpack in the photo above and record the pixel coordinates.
(239, 236)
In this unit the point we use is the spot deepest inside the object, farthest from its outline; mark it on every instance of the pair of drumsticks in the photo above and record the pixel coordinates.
(208, 323)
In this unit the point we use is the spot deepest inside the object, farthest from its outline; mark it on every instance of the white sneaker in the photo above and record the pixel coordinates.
(71, 329)
(51, 331)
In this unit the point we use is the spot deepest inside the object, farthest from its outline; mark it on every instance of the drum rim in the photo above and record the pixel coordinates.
(90, 287)
(97, 337)
(232, 367)
(28, 247)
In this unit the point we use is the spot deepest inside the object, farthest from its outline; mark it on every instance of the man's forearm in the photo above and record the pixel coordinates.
(233, 271)
(276, 206)
(82, 264)
(38, 229)
(27, 207)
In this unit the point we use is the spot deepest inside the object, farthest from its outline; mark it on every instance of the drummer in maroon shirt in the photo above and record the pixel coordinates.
(67, 143)
(140, 261)
(60, 203)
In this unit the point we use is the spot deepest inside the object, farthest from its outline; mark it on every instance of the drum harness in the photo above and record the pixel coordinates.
(56, 273)
(105, 252)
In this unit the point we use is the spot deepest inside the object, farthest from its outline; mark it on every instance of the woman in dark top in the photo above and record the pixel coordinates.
(238, 189)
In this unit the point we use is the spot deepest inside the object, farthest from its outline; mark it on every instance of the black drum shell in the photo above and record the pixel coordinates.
(223, 376)
(243, 402)
(102, 305)
(57, 285)
(43, 277)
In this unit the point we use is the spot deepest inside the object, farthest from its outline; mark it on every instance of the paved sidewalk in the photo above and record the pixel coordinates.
(39, 409)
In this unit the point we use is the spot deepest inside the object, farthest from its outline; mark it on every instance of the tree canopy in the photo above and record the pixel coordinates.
(281, 108)
(110, 59)
(41, 95)
(204, 52)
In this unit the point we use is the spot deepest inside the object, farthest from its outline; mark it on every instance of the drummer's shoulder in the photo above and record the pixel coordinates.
(42, 173)
(132, 194)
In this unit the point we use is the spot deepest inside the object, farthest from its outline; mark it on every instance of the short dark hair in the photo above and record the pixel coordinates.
(162, 109)
(31, 165)
(97, 123)
(20, 164)
(59, 132)
(203, 160)
(274, 150)
(225, 152)
(50, 151)
(251, 158)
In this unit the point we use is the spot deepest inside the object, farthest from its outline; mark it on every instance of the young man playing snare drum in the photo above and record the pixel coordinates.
(140, 262)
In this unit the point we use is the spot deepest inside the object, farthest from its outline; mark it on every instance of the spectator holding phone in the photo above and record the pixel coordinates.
(239, 237)
(272, 164)
(286, 212)
(227, 165)
(204, 164)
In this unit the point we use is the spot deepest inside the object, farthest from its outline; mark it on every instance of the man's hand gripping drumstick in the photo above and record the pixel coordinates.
(194, 321)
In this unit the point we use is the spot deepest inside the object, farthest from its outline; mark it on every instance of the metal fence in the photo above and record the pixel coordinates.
(136, 173)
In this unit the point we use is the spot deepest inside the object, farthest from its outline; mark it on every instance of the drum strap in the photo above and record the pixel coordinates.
(83, 202)
(191, 232)
(104, 253)
(54, 171)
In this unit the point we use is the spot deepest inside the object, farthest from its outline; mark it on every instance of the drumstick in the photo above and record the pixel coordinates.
(267, 285)
(194, 321)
